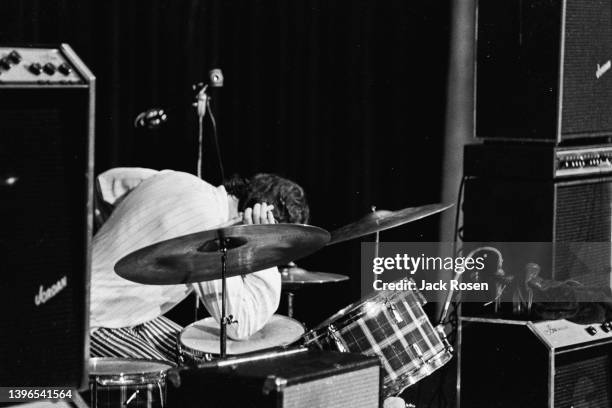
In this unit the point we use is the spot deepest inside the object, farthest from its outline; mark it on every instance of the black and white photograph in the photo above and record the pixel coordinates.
(306, 203)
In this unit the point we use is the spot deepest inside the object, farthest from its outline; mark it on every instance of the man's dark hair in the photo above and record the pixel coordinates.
(288, 198)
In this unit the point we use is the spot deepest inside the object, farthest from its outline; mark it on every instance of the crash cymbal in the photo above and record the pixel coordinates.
(295, 278)
(382, 220)
(196, 257)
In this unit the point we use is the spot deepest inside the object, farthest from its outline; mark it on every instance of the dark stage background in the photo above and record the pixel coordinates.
(346, 97)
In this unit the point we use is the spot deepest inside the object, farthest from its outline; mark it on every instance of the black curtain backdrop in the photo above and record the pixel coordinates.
(346, 97)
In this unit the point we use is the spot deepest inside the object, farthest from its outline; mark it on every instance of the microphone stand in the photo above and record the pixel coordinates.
(202, 100)
(200, 104)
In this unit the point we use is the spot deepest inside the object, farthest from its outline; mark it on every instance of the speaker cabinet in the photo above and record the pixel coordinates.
(46, 174)
(556, 364)
(572, 213)
(544, 70)
(297, 378)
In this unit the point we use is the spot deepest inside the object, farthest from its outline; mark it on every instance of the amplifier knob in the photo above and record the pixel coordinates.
(15, 57)
(35, 68)
(591, 330)
(65, 69)
(5, 63)
(605, 327)
(49, 68)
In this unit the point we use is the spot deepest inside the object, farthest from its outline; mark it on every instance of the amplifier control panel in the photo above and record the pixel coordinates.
(583, 161)
(556, 334)
(25, 65)
(536, 162)
(563, 333)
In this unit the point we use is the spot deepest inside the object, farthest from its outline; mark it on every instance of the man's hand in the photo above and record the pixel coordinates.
(261, 213)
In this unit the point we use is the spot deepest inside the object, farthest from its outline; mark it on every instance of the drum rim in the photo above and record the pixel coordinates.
(191, 352)
(394, 388)
(144, 377)
(345, 312)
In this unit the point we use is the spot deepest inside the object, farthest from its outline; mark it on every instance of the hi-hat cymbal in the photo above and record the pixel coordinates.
(382, 220)
(197, 257)
(295, 278)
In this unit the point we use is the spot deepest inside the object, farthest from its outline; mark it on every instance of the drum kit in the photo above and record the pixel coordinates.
(390, 325)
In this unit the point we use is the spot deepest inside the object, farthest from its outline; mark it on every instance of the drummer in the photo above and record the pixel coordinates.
(149, 206)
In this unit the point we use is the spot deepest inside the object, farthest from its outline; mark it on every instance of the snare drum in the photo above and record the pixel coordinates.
(122, 382)
(393, 326)
(199, 342)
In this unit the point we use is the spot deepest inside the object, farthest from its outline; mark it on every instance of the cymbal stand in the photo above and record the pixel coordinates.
(224, 319)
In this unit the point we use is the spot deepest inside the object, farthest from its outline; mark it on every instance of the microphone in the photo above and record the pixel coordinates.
(151, 118)
(155, 117)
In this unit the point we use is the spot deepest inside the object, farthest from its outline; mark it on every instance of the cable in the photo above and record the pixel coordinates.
(216, 139)
(200, 104)
(458, 212)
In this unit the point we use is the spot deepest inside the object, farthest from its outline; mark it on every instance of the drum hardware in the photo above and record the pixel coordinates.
(442, 334)
(119, 382)
(290, 300)
(418, 352)
(391, 307)
(333, 332)
(255, 356)
(129, 400)
(380, 220)
(224, 319)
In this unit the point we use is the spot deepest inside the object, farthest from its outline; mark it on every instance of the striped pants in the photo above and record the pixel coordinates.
(154, 340)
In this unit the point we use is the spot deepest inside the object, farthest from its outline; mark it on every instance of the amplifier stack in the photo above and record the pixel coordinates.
(556, 364)
(540, 171)
(47, 97)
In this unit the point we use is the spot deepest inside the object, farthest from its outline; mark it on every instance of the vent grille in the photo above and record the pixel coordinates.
(584, 383)
(356, 389)
(583, 216)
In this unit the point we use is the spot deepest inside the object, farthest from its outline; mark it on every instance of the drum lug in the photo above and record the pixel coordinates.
(333, 332)
(419, 353)
(396, 315)
(442, 334)
(179, 349)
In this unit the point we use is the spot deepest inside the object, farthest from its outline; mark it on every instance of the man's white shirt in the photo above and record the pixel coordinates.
(166, 205)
